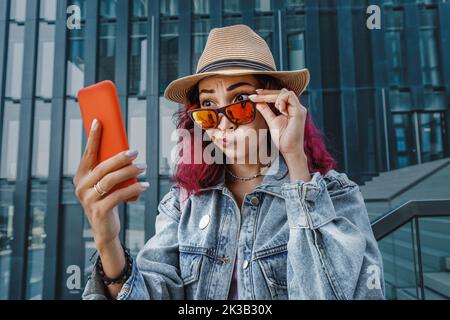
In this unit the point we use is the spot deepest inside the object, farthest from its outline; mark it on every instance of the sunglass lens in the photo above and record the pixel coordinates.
(241, 113)
(205, 119)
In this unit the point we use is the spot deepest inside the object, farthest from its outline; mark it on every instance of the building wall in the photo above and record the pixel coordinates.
(380, 96)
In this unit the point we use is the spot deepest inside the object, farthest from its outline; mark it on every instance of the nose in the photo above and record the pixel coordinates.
(224, 123)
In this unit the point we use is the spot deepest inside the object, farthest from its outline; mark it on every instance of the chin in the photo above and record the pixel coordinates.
(236, 159)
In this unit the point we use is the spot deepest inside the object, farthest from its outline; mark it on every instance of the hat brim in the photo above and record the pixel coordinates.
(296, 81)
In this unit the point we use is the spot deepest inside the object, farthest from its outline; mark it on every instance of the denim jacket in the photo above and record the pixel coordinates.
(293, 240)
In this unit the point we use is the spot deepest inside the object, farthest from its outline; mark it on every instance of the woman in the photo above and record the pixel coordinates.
(283, 227)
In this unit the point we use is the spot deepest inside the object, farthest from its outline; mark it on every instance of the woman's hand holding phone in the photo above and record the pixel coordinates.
(107, 174)
(91, 181)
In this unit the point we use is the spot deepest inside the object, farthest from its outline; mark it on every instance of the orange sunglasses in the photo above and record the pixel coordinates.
(239, 113)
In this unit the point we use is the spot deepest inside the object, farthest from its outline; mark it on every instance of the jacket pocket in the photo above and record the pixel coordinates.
(273, 264)
(190, 263)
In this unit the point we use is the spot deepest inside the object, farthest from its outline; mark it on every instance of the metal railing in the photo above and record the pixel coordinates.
(398, 217)
(410, 212)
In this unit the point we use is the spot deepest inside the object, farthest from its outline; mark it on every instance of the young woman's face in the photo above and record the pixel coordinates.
(220, 91)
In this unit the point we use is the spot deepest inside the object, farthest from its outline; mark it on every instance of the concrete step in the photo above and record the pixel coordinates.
(438, 282)
(417, 169)
(391, 184)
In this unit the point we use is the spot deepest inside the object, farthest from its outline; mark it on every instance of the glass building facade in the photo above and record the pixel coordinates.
(382, 98)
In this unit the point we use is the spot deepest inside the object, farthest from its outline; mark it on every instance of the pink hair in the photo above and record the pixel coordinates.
(193, 177)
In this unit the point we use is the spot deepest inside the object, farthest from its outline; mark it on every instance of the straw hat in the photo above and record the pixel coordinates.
(236, 50)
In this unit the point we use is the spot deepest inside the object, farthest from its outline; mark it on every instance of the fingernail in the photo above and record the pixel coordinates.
(142, 175)
(253, 96)
(94, 124)
(141, 166)
(259, 90)
(144, 185)
(131, 153)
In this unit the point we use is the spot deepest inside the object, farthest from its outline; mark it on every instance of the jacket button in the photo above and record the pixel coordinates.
(204, 221)
(254, 201)
(245, 264)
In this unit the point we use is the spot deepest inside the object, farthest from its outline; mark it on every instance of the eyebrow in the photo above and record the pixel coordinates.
(230, 88)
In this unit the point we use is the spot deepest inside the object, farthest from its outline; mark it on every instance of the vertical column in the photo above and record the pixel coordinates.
(248, 12)
(54, 208)
(71, 251)
(412, 38)
(73, 215)
(444, 26)
(279, 34)
(185, 37)
(22, 195)
(385, 135)
(349, 111)
(216, 13)
(121, 58)
(414, 74)
(381, 66)
(91, 40)
(4, 26)
(152, 125)
(121, 78)
(313, 59)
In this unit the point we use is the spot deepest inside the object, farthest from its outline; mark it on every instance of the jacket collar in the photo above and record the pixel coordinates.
(276, 175)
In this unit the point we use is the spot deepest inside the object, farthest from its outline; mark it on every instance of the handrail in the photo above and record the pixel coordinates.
(397, 217)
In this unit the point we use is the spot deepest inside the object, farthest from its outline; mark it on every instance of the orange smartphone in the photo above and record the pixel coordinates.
(100, 101)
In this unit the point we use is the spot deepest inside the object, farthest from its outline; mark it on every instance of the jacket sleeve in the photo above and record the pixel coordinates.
(155, 274)
(332, 253)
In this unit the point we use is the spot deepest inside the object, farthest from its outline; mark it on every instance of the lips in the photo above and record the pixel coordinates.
(223, 142)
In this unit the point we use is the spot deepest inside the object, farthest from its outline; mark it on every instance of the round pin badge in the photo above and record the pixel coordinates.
(204, 221)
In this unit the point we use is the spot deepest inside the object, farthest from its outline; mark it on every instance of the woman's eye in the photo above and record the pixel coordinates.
(207, 103)
(242, 97)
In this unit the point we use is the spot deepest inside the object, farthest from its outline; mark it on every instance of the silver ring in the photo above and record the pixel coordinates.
(99, 189)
